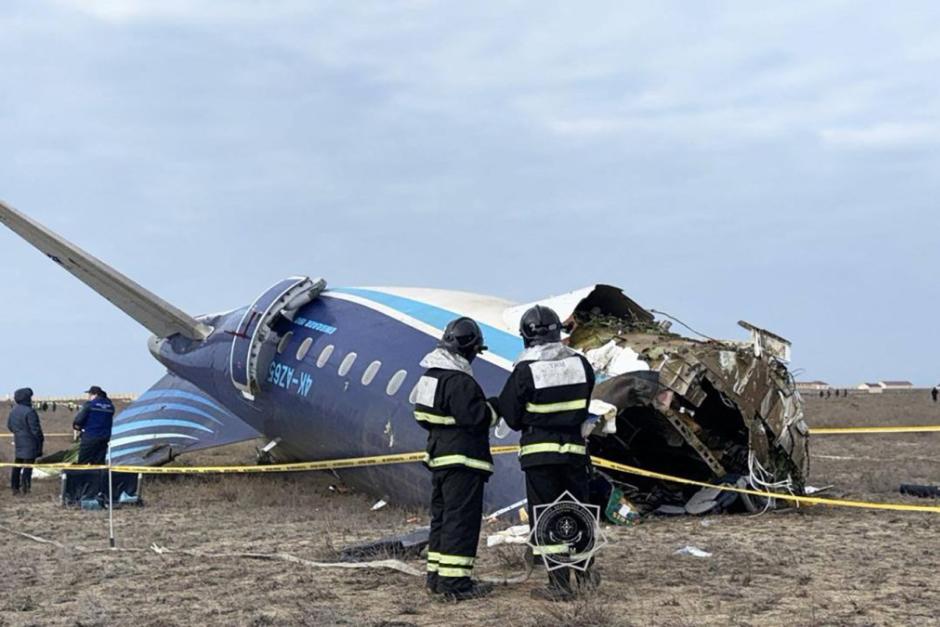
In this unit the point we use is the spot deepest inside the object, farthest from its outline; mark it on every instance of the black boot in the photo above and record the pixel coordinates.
(476, 590)
(553, 594)
(589, 580)
(559, 587)
(483, 586)
(431, 584)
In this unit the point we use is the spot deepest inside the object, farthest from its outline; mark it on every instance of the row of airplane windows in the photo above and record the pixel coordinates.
(394, 384)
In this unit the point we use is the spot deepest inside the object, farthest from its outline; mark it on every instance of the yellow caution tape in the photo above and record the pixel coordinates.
(813, 431)
(332, 464)
(403, 458)
(852, 430)
(48, 435)
(810, 500)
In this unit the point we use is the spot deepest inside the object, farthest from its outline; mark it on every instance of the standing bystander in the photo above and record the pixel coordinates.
(94, 422)
(23, 422)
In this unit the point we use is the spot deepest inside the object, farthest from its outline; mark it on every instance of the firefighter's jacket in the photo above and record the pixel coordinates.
(546, 398)
(450, 404)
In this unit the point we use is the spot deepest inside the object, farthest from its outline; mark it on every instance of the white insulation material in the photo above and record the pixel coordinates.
(614, 360)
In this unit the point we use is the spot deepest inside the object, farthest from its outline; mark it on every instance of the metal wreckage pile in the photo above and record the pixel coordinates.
(709, 410)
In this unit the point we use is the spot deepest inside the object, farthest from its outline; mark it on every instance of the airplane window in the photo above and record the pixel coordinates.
(284, 342)
(394, 384)
(324, 356)
(304, 349)
(347, 364)
(370, 372)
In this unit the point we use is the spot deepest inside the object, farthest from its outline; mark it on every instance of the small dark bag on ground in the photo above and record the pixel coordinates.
(88, 485)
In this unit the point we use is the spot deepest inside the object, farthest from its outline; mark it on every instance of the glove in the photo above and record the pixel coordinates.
(502, 429)
(494, 414)
(587, 427)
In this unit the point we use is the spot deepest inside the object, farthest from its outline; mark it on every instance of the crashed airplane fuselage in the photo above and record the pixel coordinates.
(328, 373)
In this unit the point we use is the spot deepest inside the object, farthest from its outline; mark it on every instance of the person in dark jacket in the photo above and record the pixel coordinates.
(94, 421)
(546, 398)
(28, 439)
(450, 404)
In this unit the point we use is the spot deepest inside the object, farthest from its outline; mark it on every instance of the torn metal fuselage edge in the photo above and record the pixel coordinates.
(717, 411)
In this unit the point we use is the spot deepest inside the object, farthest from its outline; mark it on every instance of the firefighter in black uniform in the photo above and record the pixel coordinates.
(546, 398)
(450, 404)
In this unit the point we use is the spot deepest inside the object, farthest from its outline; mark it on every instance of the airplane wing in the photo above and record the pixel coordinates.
(173, 417)
(155, 314)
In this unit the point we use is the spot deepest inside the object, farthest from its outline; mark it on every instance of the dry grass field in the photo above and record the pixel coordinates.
(815, 566)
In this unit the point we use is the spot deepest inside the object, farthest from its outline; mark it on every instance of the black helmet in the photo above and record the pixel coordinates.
(464, 337)
(540, 325)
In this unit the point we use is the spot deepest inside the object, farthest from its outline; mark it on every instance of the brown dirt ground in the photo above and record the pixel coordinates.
(816, 566)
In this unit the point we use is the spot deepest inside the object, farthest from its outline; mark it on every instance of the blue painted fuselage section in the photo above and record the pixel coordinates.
(323, 403)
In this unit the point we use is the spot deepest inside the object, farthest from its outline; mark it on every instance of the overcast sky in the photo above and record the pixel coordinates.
(774, 162)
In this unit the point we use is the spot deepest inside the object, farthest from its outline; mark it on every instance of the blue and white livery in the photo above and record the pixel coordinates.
(319, 373)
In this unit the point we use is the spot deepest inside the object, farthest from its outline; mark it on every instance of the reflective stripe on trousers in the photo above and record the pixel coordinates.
(551, 549)
(447, 571)
(451, 565)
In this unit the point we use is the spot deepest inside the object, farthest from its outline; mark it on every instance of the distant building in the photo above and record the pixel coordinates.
(881, 386)
(896, 385)
(812, 386)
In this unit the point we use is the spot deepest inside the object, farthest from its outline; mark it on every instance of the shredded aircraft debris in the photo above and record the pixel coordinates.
(402, 546)
(711, 410)
(920, 491)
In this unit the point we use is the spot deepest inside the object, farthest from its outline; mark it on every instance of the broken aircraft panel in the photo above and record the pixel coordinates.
(703, 409)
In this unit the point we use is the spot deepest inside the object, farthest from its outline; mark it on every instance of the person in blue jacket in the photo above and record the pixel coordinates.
(23, 422)
(94, 421)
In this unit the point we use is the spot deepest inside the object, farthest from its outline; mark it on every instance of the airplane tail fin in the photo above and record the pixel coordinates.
(157, 315)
